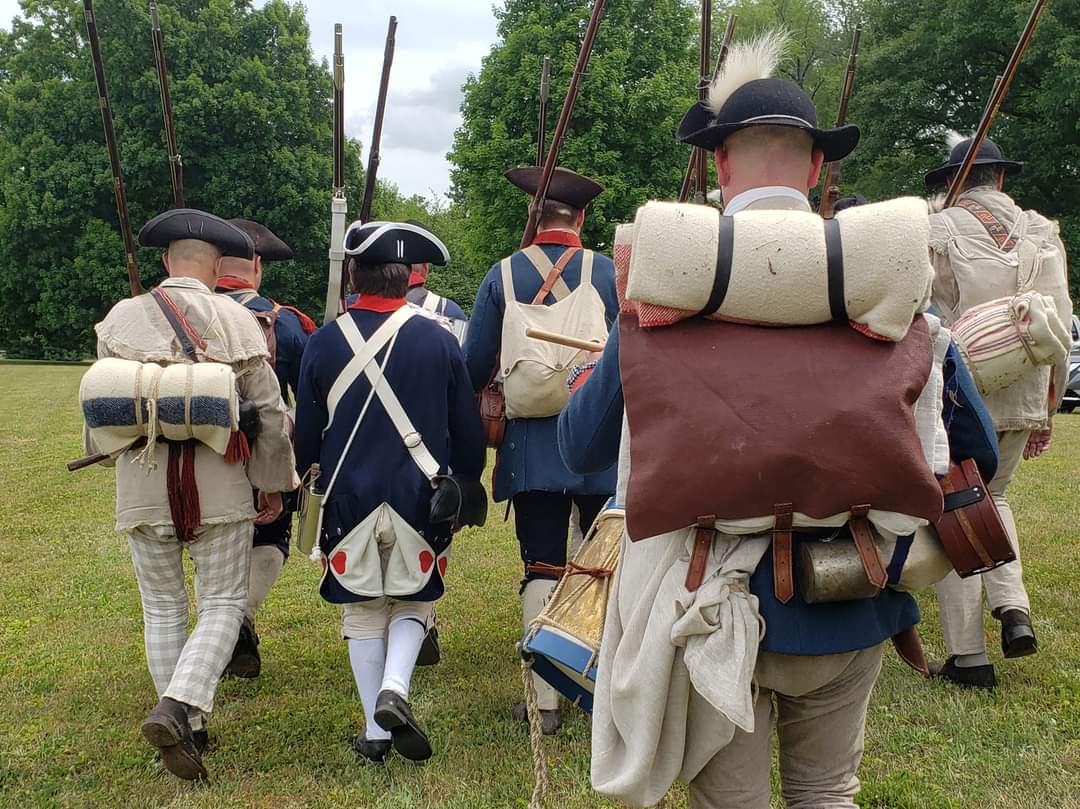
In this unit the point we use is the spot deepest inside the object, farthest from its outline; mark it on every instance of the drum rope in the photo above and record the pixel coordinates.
(536, 737)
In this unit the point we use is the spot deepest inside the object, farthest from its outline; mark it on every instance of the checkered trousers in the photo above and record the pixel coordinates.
(185, 668)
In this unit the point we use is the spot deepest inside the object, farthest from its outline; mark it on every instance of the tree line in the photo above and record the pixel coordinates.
(253, 116)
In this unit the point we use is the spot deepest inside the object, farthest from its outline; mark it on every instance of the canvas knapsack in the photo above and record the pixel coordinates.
(534, 372)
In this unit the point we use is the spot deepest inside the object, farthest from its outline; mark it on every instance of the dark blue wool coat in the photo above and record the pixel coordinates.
(291, 341)
(590, 429)
(529, 458)
(427, 372)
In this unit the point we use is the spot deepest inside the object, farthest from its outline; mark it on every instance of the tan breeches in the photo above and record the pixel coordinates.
(371, 619)
(961, 600)
(818, 705)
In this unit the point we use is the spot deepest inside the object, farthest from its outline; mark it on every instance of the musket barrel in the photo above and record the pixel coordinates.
(176, 165)
(1000, 89)
(376, 137)
(339, 109)
(114, 154)
(701, 179)
(338, 204)
(725, 46)
(541, 127)
(830, 190)
(560, 128)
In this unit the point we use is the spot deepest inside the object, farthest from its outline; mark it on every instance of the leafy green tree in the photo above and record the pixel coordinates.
(640, 80)
(928, 67)
(253, 119)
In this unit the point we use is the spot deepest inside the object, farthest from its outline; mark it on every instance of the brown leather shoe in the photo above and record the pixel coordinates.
(168, 729)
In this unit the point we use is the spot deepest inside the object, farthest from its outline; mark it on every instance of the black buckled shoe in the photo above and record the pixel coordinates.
(1017, 634)
(964, 676)
(245, 661)
(371, 752)
(550, 721)
(168, 729)
(429, 650)
(392, 713)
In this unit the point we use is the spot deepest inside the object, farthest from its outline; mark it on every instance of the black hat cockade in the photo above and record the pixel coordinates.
(744, 95)
(394, 243)
(189, 223)
(989, 155)
(267, 244)
(567, 187)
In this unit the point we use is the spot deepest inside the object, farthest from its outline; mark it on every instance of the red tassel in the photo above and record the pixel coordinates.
(184, 506)
(238, 451)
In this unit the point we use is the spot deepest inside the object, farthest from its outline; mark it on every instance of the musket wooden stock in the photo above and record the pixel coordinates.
(992, 107)
(830, 191)
(541, 126)
(176, 165)
(560, 128)
(376, 135)
(688, 175)
(564, 340)
(114, 153)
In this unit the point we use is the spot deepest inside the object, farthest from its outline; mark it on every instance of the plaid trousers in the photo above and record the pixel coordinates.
(185, 668)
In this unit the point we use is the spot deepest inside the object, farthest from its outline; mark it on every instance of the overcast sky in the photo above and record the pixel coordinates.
(439, 42)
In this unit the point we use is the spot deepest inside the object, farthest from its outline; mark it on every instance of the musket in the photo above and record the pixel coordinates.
(541, 126)
(376, 135)
(992, 107)
(830, 191)
(997, 83)
(701, 179)
(338, 203)
(692, 164)
(552, 158)
(176, 165)
(114, 152)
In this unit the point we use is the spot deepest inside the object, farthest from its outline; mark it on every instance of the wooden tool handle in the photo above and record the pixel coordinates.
(564, 340)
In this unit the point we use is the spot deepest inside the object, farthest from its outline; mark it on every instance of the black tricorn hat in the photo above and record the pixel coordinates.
(394, 243)
(189, 223)
(764, 102)
(267, 245)
(567, 187)
(989, 155)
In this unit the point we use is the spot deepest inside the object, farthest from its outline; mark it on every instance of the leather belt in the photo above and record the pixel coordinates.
(783, 575)
(834, 259)
(699, 555)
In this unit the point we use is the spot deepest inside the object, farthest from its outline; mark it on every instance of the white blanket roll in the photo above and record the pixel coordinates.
(779, 270)
(123, 400)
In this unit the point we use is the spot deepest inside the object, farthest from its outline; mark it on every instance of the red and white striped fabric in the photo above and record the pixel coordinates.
(1004, 340)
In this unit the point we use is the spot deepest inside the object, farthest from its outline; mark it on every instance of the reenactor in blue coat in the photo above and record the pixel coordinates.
(529, 471)
(286, 329)
(386, 410)
(419, 294)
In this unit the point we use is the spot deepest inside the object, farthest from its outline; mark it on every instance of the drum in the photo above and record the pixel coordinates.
(564, 639)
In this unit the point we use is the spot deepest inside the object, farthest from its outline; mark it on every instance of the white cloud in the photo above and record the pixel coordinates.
(439, 42)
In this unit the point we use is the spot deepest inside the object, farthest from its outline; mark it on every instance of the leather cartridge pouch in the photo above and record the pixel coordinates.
(309, 509)
(730, 419)
(971, 530)
(493, 412)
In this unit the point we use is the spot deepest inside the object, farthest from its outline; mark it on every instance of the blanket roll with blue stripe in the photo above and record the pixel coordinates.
(123, 400)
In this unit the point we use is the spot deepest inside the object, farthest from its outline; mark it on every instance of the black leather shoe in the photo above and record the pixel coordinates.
(371, 752)
(392, 713)
(245, 661)
(168, 729)
(965, 677)
(429, 650)
(202, 741)
(1017, 634)
(550, 721)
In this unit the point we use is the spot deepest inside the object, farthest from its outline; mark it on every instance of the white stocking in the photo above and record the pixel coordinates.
(367, 658)
(403, 645)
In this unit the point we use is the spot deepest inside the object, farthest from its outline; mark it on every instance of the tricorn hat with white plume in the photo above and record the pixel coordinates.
(745, 95)
(989, 155)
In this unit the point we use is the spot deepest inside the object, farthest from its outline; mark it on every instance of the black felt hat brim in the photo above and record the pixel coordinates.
(268, 245)
(374, 243)
(567, 187)
(189, 223)
(697, 130)
(940, 175)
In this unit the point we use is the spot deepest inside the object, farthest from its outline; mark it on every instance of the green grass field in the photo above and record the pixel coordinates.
(74, 686)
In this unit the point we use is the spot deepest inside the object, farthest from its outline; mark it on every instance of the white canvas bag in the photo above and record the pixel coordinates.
(534, 372)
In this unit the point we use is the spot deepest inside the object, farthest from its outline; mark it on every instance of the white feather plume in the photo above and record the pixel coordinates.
(746, 61)
(953, 139)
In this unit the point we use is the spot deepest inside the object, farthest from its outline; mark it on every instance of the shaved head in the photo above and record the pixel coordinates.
(768, 155)
(193, 258)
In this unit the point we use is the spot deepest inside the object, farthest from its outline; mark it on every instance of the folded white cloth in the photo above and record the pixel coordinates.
(675, 673)
(779, 272)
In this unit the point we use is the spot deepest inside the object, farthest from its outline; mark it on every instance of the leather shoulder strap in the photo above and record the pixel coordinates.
(187, 337)
(542, 264)
(994, 229)
(554, 277)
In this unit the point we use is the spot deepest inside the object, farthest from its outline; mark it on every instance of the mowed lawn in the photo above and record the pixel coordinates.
(74, 686)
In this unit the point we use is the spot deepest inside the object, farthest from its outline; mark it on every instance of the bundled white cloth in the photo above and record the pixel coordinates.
(779, 263)
(676, 668)
(123, 400)
(1005, 340)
